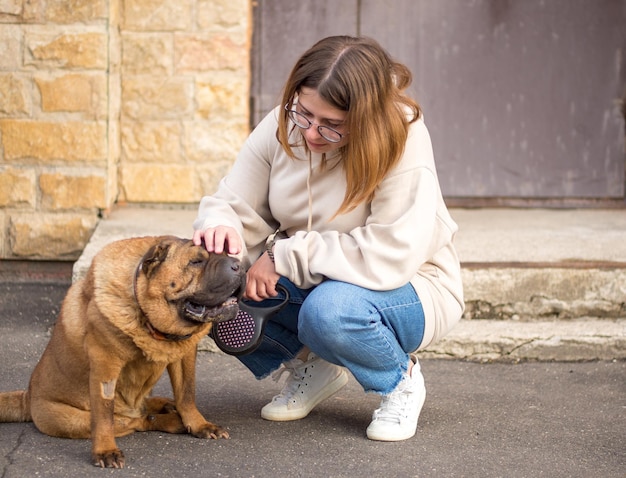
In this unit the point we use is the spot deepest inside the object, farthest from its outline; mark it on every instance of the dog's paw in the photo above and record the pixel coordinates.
(109, 459)
(210, 430)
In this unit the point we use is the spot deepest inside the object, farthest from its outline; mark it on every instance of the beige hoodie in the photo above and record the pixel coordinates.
(404, 235)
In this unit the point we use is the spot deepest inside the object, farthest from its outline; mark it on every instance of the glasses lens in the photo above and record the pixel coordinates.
(329, 134)
(299, 119)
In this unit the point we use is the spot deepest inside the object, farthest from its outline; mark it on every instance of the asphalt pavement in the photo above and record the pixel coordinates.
(531, 419)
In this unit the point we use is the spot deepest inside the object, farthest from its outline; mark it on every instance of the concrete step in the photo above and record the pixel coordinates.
(539, 284)
(580, 339)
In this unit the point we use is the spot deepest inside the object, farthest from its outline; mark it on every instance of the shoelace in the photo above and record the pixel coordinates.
(296, 376)
(393, 407)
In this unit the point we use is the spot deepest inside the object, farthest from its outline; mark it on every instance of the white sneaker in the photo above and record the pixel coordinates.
(396, 418)
(308, 384)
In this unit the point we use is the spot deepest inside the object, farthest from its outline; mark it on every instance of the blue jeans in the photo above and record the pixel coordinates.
(371, 333)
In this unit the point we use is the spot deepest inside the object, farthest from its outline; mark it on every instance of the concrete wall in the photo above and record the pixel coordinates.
(105, 101)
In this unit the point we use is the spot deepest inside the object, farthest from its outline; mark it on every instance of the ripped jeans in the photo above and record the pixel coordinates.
(371, 333)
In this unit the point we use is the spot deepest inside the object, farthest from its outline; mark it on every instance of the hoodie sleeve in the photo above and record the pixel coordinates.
(402, 232)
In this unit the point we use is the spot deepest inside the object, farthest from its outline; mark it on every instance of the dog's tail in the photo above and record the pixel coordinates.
(15, 406)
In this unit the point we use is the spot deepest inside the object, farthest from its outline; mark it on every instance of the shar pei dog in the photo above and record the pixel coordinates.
(142, 307)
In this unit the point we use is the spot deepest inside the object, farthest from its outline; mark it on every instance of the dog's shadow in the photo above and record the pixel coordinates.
(228, 394)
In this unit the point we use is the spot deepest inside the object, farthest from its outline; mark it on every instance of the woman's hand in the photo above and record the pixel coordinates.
(219, 239)
(262, 279)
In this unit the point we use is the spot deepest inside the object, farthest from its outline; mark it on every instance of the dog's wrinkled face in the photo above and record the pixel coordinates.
(187, 284)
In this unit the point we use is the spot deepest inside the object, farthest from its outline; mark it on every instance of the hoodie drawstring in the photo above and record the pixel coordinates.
(308, 188)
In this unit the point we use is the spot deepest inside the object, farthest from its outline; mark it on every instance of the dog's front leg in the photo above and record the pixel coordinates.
(183, 378)
(102, 383)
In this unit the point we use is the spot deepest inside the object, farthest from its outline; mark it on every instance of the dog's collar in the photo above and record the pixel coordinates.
(154, 332)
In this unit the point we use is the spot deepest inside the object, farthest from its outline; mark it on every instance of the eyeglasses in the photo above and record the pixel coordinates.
(329, 134)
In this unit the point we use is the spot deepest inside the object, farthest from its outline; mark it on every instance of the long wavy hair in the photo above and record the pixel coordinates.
(356, 75)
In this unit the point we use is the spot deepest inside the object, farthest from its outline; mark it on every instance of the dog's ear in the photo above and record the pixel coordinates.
(155, 256)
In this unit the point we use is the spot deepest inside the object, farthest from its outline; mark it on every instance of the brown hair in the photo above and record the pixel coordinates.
(356, 75)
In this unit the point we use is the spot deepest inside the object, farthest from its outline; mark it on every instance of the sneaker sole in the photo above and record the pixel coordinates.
(333, 387)
(386, 435)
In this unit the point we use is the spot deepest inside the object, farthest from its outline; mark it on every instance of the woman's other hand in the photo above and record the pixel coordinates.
(262, 279)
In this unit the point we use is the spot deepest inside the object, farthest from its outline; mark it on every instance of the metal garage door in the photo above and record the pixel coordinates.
(522, 97)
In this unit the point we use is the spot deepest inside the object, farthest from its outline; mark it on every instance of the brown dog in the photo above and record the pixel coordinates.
(143, 306)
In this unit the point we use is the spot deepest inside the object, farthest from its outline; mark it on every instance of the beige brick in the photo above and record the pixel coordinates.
(15, 95)
(163, 183)
(86, 93)
(113, 162)
(64, 191)
(114, 98)
(214, 140)
(17, 188)
(211, 173)
(222, 95)
(70, 141)
(34, 11)
(147, 53)
(11, 47)
(157, 15)
(50, 236)
(67, 50)
(10, 7)
(151, 141)
(227, 14)
(4, 235)
(210, 51)
(75, 11)
(148, 98)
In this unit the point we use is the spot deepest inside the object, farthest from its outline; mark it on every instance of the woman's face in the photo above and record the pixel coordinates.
(319, 112)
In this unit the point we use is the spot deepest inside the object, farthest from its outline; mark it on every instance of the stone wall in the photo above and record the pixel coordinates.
(111, 101)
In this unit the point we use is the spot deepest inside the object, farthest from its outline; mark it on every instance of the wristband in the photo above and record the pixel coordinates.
(271, 241)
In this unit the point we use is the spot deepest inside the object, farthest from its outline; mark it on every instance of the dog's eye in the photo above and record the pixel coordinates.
(196, 262)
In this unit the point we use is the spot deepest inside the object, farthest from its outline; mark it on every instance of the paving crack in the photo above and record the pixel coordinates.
(524, 343)
(10, 456)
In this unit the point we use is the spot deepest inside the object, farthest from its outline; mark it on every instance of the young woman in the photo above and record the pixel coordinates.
(335, 195)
